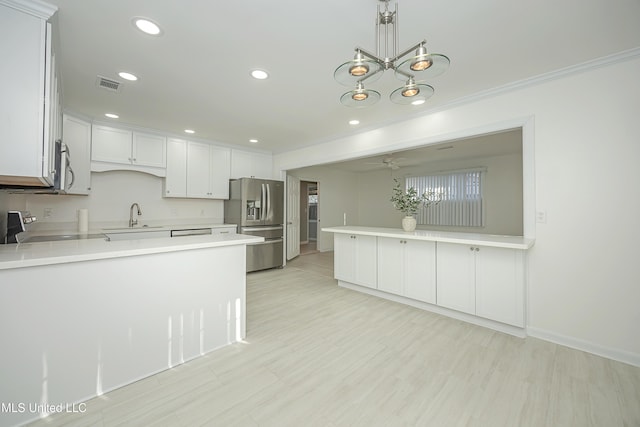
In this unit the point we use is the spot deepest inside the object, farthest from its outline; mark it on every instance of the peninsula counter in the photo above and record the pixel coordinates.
(477, 278)
(80, 318)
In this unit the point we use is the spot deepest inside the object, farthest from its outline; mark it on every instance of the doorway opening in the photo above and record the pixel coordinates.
(309, 223)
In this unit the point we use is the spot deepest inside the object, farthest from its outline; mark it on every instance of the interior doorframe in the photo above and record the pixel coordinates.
(320, 239)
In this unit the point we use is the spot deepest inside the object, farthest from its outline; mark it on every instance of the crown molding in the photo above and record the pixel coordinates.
(604, 61)
(37, 8)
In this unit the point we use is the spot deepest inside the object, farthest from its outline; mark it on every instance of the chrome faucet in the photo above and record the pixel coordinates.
(132, 221)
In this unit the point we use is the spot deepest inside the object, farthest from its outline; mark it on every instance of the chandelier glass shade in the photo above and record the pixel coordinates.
(367, 67)
(360, 97)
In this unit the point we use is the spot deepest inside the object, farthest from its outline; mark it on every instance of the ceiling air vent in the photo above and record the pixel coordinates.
(108, 84)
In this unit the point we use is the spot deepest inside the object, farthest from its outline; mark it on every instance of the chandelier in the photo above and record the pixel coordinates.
(367, 67)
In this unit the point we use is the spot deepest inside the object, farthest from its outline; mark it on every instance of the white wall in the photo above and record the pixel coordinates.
(502, 194)
(581, 133)
(337, 195)
(112, 194)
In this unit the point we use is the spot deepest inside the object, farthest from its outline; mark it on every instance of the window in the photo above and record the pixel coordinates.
(459, 194)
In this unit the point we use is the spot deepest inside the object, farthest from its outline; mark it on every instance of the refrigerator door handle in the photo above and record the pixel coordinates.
(267, 212)
(261, 202)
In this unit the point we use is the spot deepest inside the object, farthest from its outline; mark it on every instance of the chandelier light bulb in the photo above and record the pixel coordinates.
(422, 60)
(410, 91)
(358, 70)
(360, 96)
(421, 64)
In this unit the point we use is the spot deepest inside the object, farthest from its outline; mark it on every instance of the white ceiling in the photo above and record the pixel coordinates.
(196, 75)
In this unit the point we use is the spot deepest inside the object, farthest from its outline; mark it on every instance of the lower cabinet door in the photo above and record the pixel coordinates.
(500, 285)
(366, 257)
(420, 271)
(391, 268)
(344, 257)
(407, 268)
(456, 287)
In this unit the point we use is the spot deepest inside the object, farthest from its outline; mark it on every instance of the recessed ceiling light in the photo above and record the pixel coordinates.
(253, 141)
(112, 116)
(189, 131)
(147, 26)
(354, 122)
(259, 74)
(128, 76)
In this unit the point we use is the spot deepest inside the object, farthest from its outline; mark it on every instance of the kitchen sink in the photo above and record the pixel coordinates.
(58, 237)
(141, 228)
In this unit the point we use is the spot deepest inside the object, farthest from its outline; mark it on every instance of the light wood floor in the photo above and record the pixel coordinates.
(320, 355)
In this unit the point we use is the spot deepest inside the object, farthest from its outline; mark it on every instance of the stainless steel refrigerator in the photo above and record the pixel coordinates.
(256, 206)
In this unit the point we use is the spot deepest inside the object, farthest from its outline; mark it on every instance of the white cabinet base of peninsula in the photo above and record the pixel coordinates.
(485, 287)
(355, 259)
(407, 268)
(80, 329)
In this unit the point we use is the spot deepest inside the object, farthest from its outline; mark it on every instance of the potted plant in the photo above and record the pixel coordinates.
(409, 202)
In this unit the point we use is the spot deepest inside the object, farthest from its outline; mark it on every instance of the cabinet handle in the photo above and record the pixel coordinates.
(477, 249)
(471, 248)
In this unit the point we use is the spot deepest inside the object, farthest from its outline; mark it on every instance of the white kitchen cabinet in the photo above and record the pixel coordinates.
(149, 150)
(408, 268)
(27, 111)
(198, 166)
(355, 258)
(77, 137)
(175, 183)
(220, 171)
(482, 280)
(247, 164)
(500, 276)
(111, 145)
(114, 148)
(456, 277)
(208, 171)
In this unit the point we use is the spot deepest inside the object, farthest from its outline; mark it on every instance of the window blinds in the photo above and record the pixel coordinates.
(460, 195)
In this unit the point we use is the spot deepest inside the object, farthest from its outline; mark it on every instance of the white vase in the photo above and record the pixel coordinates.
(408, 223)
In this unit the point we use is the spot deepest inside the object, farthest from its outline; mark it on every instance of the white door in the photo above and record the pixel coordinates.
(293, 217)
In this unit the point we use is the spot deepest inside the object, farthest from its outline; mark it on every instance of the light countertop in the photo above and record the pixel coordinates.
(513, 242)
(60, 252)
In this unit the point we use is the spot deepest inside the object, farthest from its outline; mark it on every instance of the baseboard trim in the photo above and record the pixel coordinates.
(586, 346)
